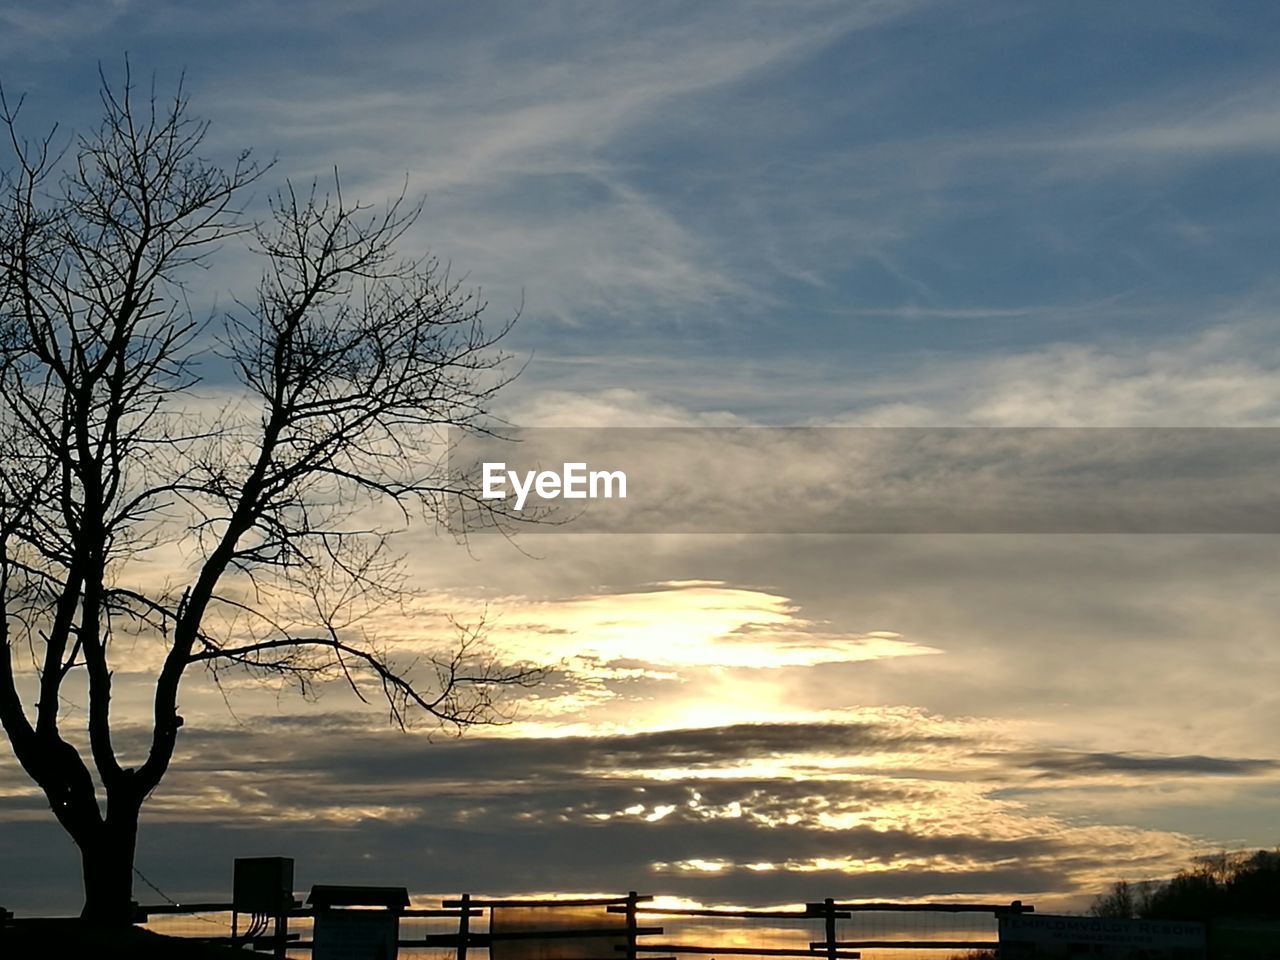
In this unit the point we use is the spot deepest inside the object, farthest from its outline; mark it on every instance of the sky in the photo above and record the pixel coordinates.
(895, 213)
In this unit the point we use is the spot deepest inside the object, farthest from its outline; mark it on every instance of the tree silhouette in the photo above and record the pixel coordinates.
(352, 360)
(1219, 885)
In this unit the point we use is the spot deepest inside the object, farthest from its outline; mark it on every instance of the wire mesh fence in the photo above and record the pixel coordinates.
(919, 934)
(625, 928)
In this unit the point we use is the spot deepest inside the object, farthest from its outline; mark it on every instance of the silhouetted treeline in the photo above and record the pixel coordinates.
(1222, 885)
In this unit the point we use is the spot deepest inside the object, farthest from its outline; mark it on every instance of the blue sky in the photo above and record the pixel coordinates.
(896, 213)
(875, 182)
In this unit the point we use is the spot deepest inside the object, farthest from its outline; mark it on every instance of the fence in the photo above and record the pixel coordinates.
(626, 927)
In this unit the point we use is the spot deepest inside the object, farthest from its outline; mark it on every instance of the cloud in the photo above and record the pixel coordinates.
(1182, 125)
(1069, 764)
(527, 162)
(683, 625)
(491, 813)
(48, 33)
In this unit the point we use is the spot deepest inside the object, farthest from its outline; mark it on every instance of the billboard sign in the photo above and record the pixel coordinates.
(1025, 936)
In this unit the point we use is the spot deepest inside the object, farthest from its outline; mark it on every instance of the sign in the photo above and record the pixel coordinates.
(556, 932)
(355, 935)
(1041, 935)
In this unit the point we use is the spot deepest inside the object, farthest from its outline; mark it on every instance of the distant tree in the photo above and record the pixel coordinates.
(1222, 884)
(1253, 890)
(1117, 903)
(352, 358)
(1190, 895)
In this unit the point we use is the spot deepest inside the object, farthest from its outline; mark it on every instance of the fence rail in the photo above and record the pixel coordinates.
(624, 927)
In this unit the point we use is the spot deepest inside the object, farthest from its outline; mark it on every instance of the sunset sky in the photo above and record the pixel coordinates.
(878, 213)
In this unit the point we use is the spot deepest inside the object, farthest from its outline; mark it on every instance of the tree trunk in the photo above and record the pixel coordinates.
(106, 857)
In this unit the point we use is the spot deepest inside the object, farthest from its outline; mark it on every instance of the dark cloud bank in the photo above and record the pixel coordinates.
(509, 815)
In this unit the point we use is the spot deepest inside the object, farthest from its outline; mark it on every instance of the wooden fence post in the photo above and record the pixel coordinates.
(632, 933)
(464, 926)
(281, 951)
(829, 906)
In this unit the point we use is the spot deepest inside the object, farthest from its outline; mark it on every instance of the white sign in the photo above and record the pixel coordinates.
(1051, 936)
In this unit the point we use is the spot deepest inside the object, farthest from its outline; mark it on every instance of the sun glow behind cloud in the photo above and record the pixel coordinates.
(687, 624)
(704, 653)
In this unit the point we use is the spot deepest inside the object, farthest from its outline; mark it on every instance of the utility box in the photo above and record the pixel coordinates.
(263, 885)
(345, 927)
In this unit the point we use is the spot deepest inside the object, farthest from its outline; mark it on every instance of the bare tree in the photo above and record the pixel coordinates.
(352, 361)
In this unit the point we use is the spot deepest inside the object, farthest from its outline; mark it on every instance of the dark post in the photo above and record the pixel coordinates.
(632, 934)
(829, 909)
(282, 935)
(464, 926)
